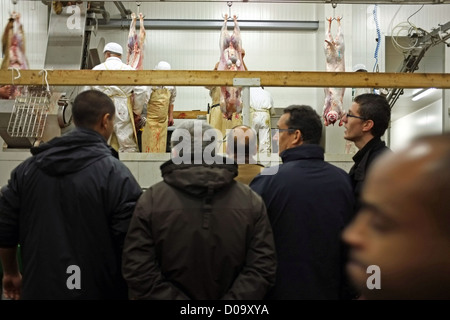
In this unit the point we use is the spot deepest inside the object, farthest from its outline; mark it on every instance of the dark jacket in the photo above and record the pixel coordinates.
(308, 202)
(363, 159)
(199, 235)
(69, 205)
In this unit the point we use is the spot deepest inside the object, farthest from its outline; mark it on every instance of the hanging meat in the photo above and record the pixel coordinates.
(59, 5)
(231, 60)
(13, 44)
(334, 53)
(135, 55)
(13, 48)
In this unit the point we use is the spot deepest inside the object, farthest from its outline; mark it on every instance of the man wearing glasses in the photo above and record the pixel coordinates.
(365, 123)
(309, 202)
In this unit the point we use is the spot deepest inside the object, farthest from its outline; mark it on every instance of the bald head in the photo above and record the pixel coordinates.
(242, 144)
(403, 226)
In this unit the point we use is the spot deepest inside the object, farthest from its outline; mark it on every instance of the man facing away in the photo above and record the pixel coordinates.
(403, 228)
(128, 100)
(69, 207)
(241, 146)
(198, 234)
(309, 202)
(365, 123)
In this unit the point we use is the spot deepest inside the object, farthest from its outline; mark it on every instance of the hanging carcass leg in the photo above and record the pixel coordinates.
(230, 60)
(334, 52)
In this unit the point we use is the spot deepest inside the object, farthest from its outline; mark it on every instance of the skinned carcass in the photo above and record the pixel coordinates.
(231, 60)
(135, 59)
(13, 48)
(334, 53)
(135, 45)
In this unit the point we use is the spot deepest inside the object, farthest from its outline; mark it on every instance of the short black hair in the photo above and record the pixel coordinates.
(376, 108)
(89, 108)
(307, 120)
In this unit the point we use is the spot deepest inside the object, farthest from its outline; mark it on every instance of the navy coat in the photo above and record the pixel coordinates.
(309, 202)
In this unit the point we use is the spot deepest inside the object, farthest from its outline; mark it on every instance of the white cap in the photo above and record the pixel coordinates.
(113, 47)
(162, 65)
(358, 67)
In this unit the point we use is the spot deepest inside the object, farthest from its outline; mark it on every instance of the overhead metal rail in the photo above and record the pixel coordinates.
(425, 40)
(295, 1)
(212, 24)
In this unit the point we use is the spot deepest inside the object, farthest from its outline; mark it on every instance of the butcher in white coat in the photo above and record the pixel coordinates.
(261, 103)
(128, 101)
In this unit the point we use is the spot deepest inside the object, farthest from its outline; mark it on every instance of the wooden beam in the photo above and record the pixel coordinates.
(188, 114)
(225, 78)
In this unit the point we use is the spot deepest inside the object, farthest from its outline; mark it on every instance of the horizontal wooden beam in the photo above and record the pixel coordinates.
(225, 78)
(188, 114)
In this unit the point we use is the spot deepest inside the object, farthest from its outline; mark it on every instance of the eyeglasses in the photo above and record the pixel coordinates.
(349, 115)
(288, 129)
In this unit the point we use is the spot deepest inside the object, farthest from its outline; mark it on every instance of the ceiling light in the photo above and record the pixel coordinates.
(422, 93)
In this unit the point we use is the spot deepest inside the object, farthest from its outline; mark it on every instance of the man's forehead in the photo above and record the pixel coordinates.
(354, 107)
(282, 119)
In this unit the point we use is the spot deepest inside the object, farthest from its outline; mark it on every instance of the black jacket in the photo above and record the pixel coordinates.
(69, 205)
(199, 235)
(309, 202)
(363, 159)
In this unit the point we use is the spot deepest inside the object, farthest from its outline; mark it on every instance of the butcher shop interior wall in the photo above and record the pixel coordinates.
(267, 49)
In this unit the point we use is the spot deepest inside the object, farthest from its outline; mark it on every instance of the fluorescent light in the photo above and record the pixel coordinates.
(422, 94)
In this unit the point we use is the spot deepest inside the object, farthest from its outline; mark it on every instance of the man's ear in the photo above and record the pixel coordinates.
(105, 120)
(367, 125)
(298, 137)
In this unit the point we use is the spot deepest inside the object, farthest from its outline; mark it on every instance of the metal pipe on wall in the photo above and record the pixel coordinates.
(213, 24)
(396, 2)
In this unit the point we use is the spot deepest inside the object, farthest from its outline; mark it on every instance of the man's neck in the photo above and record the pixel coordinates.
(363, 141)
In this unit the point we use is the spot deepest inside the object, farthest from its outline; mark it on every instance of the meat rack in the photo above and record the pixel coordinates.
(29, 114)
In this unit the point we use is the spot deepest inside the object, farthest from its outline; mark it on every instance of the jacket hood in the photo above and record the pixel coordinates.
(71, 152)
(202, 179)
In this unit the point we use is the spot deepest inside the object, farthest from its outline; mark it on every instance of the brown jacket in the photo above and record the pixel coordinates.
(199, 235)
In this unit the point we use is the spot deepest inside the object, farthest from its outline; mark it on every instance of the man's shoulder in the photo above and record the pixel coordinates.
(378, 148)
(25, 165)
(268, 174)
(337, 170)
(127, 67)
(99, 67)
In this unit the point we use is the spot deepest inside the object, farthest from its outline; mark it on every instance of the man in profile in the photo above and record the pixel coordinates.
(309, 201)
(365, 123)
(403, 228)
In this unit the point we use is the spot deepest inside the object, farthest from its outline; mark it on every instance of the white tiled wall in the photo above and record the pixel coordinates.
(424, 121)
